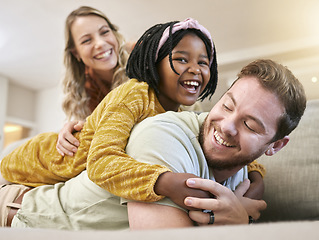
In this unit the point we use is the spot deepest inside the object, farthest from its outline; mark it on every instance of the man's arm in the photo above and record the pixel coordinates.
(151, 216)
(226, 206)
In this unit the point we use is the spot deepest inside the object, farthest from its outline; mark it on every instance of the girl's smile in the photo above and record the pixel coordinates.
(191, 62)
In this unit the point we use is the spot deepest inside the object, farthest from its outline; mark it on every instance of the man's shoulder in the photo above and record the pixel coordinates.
(184, 119)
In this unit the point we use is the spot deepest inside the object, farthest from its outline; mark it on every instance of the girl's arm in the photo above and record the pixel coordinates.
(110, 167)
(256, 172)
(173, 185)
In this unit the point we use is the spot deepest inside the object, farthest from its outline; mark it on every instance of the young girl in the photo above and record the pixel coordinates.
(171, 64)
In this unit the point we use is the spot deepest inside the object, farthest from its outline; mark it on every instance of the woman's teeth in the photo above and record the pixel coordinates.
(103, 55)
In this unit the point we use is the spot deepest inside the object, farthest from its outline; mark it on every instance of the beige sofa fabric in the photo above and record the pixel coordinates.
(292, 231)
(292, 179)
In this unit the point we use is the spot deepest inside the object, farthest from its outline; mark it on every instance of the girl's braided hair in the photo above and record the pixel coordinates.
(142, 61)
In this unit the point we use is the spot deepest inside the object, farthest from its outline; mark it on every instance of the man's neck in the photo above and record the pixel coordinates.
(222, 175)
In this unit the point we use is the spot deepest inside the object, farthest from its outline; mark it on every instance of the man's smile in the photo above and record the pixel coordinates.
(221, 141)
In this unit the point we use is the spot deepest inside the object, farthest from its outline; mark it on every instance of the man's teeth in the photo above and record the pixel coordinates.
(103, 55)
(192, 83)
(221, 141)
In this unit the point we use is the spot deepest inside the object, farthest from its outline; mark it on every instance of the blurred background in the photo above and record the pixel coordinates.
(32, 43)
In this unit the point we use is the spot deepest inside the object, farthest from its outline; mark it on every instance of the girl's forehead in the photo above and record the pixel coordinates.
(191, 42)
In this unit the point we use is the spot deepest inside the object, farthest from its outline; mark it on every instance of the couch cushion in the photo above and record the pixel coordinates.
(292, 179)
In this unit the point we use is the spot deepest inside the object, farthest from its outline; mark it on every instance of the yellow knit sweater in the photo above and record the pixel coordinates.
(101, 151)
(102, 148)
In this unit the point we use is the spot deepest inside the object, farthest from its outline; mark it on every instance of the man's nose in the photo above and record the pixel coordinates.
(228, 127)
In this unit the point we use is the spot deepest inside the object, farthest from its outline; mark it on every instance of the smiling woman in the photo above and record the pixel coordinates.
(95, 58)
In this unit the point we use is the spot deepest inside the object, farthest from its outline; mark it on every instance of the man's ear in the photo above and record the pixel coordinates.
(276, 146)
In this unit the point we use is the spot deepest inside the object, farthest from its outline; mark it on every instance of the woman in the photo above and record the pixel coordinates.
(95, 57)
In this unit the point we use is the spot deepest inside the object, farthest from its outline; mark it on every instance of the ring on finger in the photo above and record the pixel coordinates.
(211, 218)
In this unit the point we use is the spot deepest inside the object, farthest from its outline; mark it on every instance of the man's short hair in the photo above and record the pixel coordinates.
(279, 80)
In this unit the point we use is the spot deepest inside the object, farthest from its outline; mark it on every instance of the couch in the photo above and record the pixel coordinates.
(291, 192)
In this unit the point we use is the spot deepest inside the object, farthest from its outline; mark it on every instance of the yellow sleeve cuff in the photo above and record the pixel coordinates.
(255, 166)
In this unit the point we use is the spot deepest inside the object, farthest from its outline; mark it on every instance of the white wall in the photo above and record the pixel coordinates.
(3, 106)
(48, 112)
(21, 102)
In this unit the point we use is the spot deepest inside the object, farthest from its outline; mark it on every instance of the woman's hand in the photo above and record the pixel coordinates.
(67, 143)
(226, 206)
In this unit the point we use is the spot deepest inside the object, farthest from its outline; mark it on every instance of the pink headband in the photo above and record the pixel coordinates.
(186, 24)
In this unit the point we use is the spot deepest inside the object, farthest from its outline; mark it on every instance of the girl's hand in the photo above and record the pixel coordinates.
(253, 207)
(67, 143)
(257, 187)
(173, 185)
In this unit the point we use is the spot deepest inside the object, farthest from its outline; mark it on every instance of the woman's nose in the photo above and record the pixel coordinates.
(98, 42)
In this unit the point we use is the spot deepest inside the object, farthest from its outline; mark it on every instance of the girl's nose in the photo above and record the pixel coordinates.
(194, 69)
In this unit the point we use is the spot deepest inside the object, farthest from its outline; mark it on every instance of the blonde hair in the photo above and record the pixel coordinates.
(75, 103)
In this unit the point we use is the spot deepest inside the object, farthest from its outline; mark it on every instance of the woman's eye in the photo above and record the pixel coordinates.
(85, 41)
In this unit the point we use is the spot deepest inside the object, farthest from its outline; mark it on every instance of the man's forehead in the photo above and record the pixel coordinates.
(254, 99)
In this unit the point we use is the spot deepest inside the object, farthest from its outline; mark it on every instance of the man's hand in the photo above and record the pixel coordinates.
(67, 143)
(227, 208)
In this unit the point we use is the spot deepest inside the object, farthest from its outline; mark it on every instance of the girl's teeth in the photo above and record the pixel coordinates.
(191, 83)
